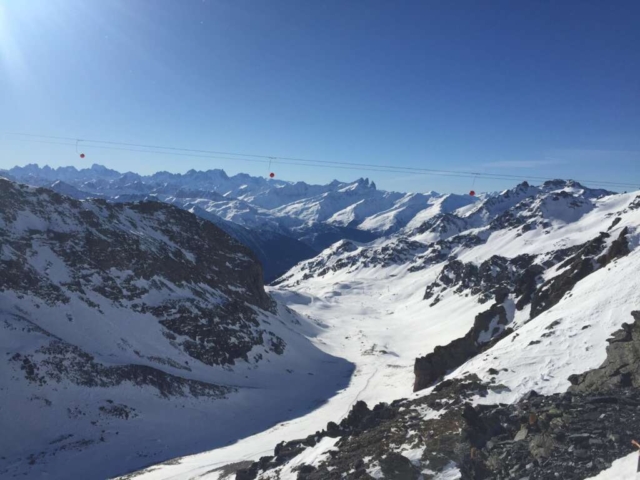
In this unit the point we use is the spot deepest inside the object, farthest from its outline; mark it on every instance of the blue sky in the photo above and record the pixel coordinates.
(525, 88)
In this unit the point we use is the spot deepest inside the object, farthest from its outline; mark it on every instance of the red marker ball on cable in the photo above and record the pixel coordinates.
(82, 155)
(272, 174)
(472, 193)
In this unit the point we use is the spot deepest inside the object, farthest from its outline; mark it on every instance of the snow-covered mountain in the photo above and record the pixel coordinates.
(451, 322)
(434, 236)
(452, 309)
(133, 332)
(275, 250)
(277, 216)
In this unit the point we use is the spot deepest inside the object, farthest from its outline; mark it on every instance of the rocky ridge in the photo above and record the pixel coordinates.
(124, 253)
(522, 209)
(517, 280)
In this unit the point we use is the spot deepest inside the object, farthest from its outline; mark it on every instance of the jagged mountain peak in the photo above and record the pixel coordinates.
(360, 185)
(216, 173)
(524, 210)
(102, 170)
(496, 205)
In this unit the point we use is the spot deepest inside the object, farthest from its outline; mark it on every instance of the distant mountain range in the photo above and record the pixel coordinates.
(282, 222)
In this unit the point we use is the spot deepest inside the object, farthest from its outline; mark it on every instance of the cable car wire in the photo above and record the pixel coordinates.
(386, 169)
(198, 153)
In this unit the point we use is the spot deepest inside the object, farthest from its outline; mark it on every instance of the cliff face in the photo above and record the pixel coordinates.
(621, 369)
(488, 325)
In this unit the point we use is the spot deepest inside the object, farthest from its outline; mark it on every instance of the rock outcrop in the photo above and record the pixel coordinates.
(487, 326)
(621, 369)
(148, 258)
(500, 278)
(589, 257)
(496, 276)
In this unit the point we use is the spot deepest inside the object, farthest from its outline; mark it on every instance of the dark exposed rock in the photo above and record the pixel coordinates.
(564, 438)
(443, 359)
(495, 277)
(621, 368)
(585, 261)
(396, 467)
(635, 203)
(619, 248)
(304, 471)
(119, 411)
(615, 222)
(370, 433)
(224, 472)
(333, 430)
(287, 452)
(248, 473)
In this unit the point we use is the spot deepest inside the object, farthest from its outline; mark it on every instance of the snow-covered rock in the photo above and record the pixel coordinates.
(133, 332)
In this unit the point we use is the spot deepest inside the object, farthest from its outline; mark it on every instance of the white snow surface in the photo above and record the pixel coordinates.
(622, 469)
(278, 388)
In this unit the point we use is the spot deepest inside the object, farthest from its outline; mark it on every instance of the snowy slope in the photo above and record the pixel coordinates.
(236, 211)
(333, 274)
(371, 299)
(345, 206)
(132, 333)
(441, 204)
(412, 208)
(596, 307)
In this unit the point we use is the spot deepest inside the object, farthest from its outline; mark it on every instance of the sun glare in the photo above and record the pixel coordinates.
(11, 59)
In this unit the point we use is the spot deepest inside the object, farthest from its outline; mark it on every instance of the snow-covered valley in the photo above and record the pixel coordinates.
(359, 324)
